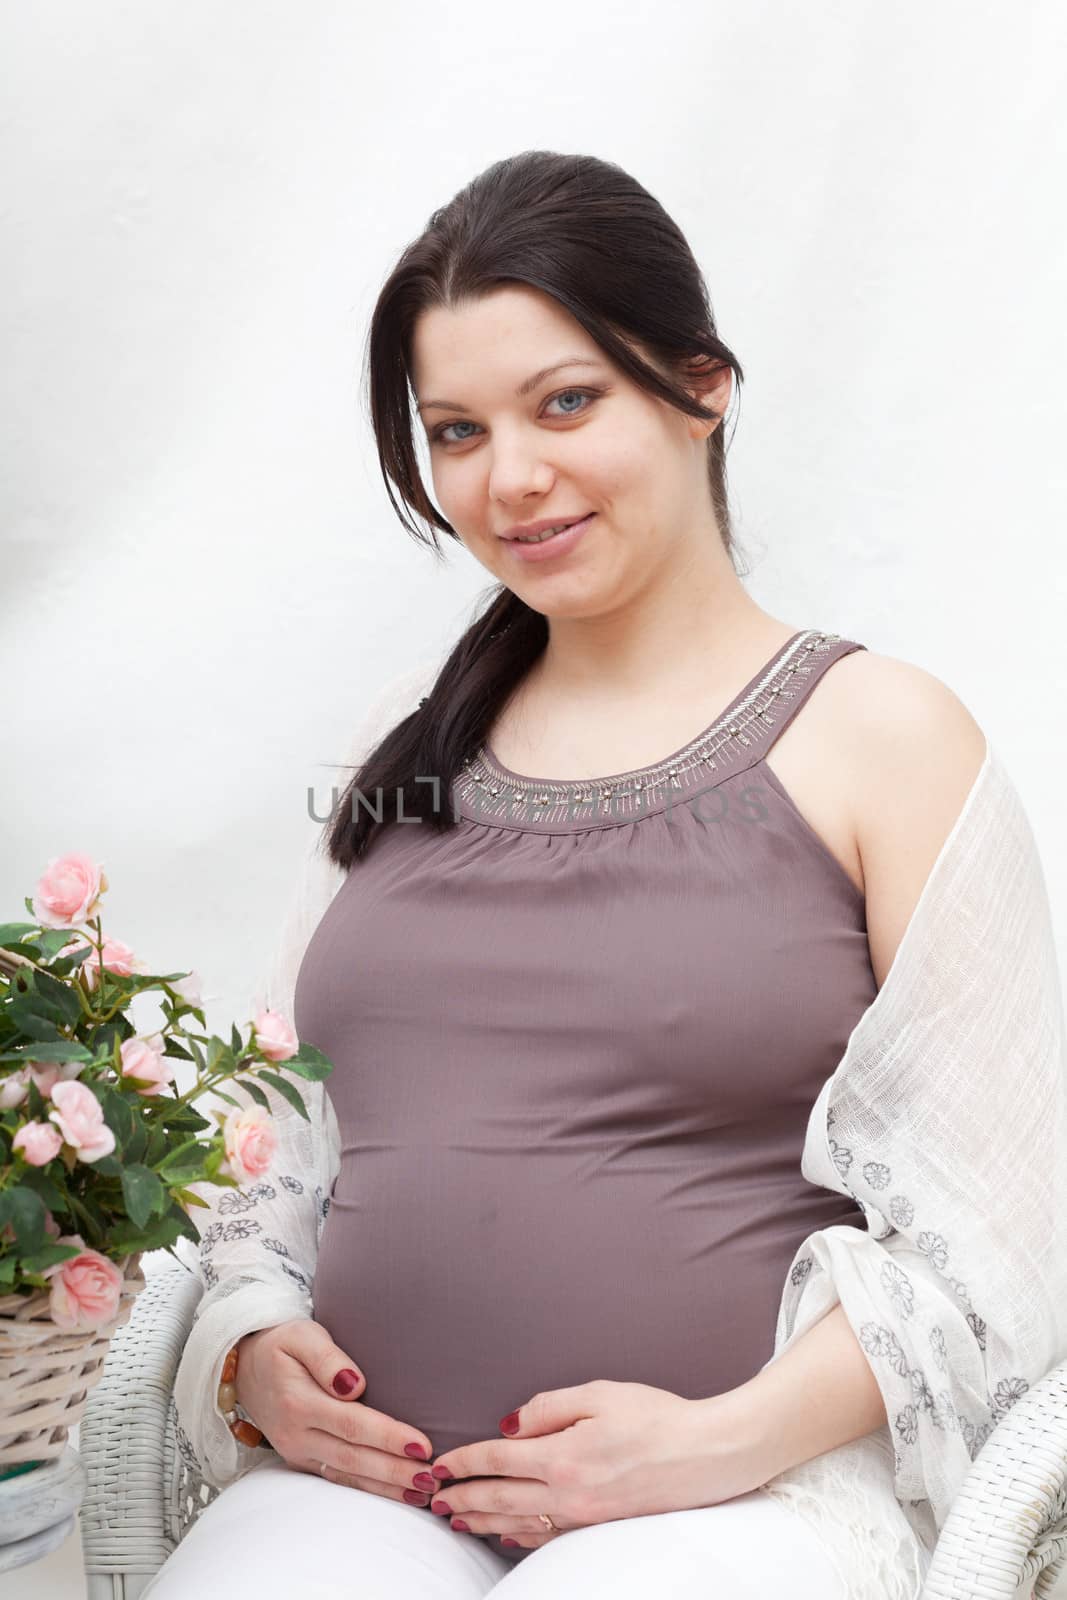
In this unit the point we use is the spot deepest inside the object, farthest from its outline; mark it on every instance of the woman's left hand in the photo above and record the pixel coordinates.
(599, 1452)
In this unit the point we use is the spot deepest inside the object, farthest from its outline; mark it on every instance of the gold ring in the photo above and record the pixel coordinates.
(543, 1516)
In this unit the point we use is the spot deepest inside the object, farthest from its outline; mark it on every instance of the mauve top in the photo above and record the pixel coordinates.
(576, 1042)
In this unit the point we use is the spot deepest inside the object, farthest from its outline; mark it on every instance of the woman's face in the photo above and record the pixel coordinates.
(584, 438)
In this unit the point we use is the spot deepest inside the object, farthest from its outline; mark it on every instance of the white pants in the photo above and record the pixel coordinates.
(276, 1533)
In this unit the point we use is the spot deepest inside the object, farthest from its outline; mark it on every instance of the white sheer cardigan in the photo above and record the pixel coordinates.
(945, 1119)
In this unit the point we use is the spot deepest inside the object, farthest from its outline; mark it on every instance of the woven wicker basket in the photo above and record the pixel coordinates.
(46, 1374)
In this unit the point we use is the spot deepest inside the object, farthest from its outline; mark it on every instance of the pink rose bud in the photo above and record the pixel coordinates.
(39, 1142)
(14, 1087)
(274, 1036)
(46, 1074)
(68, 891)
(117, 958)
(144, 1060)
(85, 1290)
(79, 1117)
(250, 1141)
(190, 989)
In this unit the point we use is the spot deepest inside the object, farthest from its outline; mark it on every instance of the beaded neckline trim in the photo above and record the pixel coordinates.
(491, 792)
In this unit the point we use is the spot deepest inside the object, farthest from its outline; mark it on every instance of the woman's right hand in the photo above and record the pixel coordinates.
(285, 1383)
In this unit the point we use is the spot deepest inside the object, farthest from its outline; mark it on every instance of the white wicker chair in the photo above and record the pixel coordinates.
(1008, 1525)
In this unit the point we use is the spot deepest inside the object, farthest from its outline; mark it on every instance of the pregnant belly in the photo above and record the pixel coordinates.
(465, 1284)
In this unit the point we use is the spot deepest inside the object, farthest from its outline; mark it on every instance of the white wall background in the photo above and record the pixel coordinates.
(202, 582)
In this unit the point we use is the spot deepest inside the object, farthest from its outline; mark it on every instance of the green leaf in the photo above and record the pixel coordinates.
(179, 1157)
(109, 1166)
(68, 1050)
(142, 1191)
(12, 933)
(191, 1172)
(186, 1121)
(61, 996)
(157, 1145)
(35, 1018)
(24, 1209)
(236, 1042)
(51, 1194)
(219, 1055)
(118, 1114)
(255, 1091)
(229, 1099)
(155, 1235)
(50, 941)
(309, 1063)
(49, 1255)
(287, 1091)
(173, 1048)
(7, 1270)
(65, 965)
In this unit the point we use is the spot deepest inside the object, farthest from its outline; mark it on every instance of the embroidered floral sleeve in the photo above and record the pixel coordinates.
(259, 1243)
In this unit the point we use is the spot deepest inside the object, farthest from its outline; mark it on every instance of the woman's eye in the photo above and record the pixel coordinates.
(439, 434)
(581, 393)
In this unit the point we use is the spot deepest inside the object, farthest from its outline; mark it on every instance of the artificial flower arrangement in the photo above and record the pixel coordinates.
(98, 1149)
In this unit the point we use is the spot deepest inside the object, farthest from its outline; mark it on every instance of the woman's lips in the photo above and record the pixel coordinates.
(549, 549)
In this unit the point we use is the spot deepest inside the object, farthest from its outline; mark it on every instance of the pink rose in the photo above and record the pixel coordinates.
(274, 1036)
(46, 1074)
(85, 1290)
(250, 1141)
(117, 958)
(68, 891)
(38, 1142)
(144, 1059)
(14, 1087)
(79, 1117)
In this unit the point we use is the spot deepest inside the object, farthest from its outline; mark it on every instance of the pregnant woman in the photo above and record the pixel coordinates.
(541, 1300)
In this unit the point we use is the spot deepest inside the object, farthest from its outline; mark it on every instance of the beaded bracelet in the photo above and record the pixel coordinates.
(244, 1431)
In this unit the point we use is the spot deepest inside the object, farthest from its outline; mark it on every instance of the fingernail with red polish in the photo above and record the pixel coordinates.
(440, 1471)
(442, 1508)
(510, 1423)
(414, 1498)
(416, 1450)
(513, 1542)
(346, 1381)
(460, 1526)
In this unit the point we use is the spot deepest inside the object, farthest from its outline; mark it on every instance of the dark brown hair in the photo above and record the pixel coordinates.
(585, 232)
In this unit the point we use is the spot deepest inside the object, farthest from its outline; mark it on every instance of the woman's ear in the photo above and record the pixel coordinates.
(709, 381)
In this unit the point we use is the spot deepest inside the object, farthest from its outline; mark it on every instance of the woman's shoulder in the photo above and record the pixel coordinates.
(891, 707)
(912, 752)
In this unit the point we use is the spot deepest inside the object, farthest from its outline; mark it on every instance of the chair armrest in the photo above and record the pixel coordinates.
(140, 1496)
(1008, 1523)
